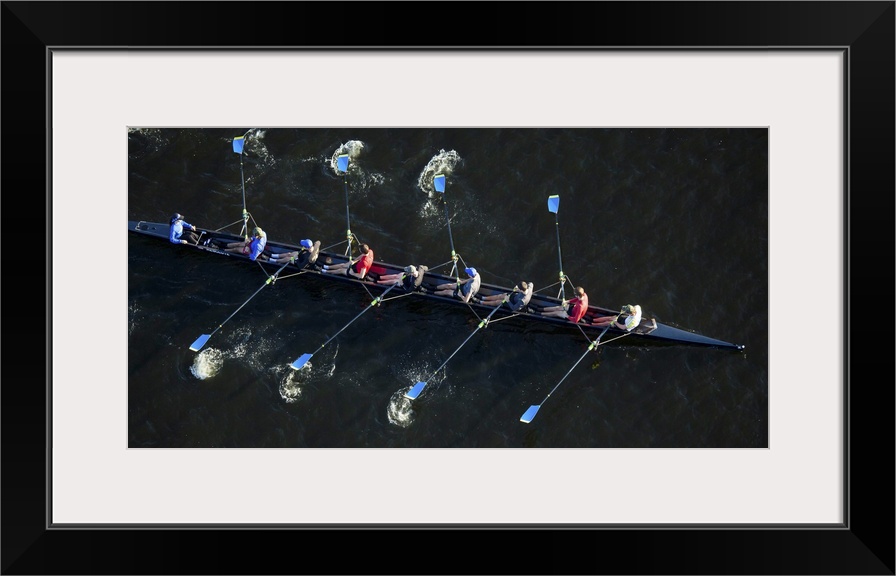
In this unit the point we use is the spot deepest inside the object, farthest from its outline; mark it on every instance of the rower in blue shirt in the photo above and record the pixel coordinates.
(464, 289)
(250, 247)
(176, 232)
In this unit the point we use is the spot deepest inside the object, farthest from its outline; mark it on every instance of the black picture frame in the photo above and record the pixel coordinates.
(864, 544)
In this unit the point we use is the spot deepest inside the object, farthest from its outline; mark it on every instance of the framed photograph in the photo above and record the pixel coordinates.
(803, 92)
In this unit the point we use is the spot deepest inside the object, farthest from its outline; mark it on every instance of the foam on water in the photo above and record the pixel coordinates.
(207, 363)
(400, 410)
(442, 163)
(353, 148)
(358, 181)
(255, 143)
(292, 382)
(251, 349)
(432, 212)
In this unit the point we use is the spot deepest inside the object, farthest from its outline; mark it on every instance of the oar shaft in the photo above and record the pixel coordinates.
(559, 253)
(260, 288)
(438, 182)
(560, 257)
(243, 180)
(455, 352)
(366, 308)
(604, 331)
(451, 240)
(243, 183)
(221, 325)
(481, 325)
(342, 166)
(415, 391)
(348, 225)
(279, 270)
(379, 298)
(607, 327)
(590, 348)
(330, 339)
(618, 337)
(448, 221)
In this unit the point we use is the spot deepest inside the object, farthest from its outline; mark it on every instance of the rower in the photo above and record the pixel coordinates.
(410, 279)
(464, 289)
(253, 247)
(181, 232)
(357, 268)
(631, 317)
(304, 257)
(516, 301)
(573, 309)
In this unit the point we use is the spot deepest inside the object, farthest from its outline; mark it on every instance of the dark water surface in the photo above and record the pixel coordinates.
(675, 220)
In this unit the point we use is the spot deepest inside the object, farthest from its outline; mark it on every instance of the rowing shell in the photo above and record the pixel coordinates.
(649, 331)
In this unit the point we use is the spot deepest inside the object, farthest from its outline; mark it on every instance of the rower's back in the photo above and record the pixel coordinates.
(309, 256)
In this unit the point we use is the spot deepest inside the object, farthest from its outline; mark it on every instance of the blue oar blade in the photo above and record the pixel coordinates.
(530, 414)
(342, 163)
(238, 143)
(300, 361)
(415, 391)
(200, 342)
(439, 182)
(554, 203)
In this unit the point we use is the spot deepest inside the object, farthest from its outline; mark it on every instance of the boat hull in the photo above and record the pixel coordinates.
(649, 331)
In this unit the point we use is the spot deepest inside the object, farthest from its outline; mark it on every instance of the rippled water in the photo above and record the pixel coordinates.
(673, 219)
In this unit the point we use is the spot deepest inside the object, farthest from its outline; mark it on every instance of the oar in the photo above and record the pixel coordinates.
(304, 358)
(419, 386)
(553, 206)
(438, 182)
(530, 413)
(342, 166)
(200, 342)
(238, 143)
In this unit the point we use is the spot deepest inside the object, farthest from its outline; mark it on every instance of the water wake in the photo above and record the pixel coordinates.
(207, 363)
(400, 410)
(441, 163)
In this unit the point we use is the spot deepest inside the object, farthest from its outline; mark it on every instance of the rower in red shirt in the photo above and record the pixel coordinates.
(573, 310)
(357, 268)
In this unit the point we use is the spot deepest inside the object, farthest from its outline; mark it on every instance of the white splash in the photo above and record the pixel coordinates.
(441, 163)
(400, 410)
(293, 382)
(207, 363)
(254, 348)
(242, 344)
(292, 385)
(255, 142)
(353, 148)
